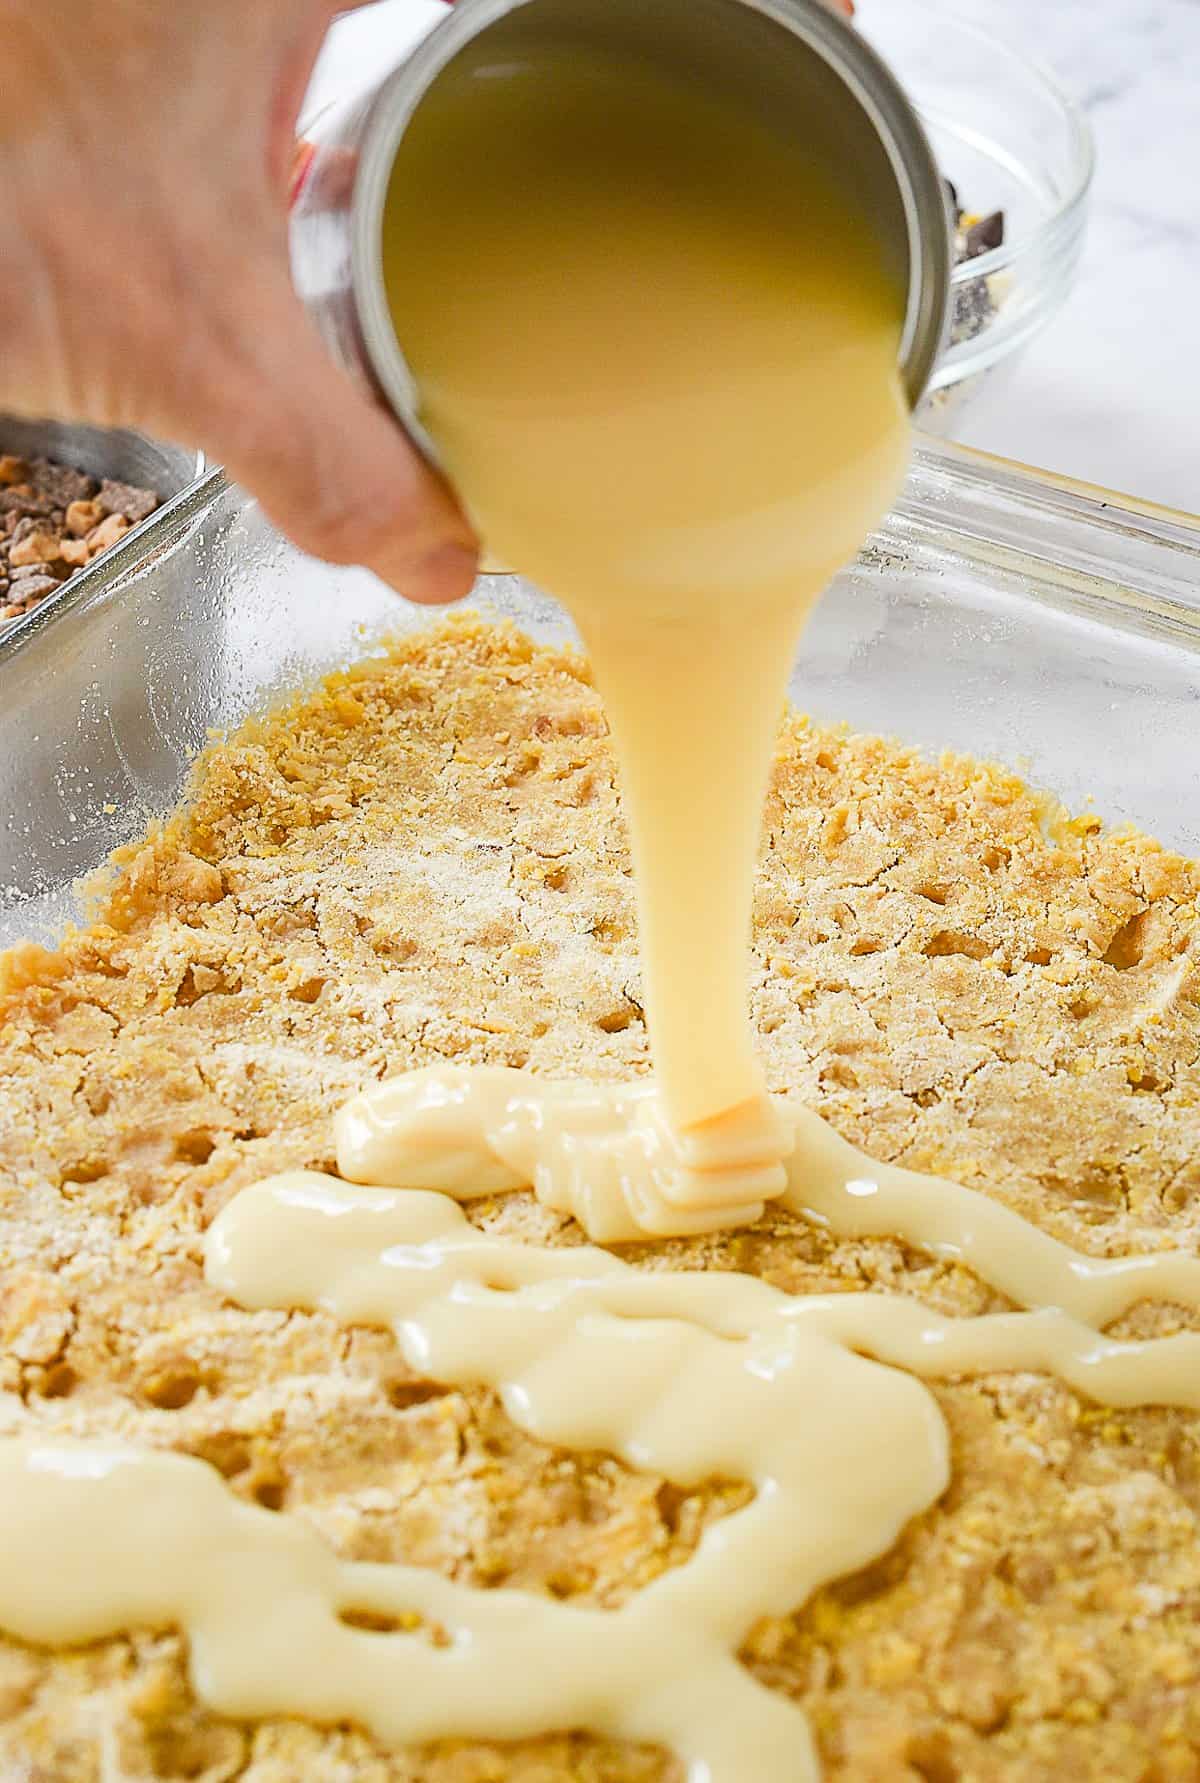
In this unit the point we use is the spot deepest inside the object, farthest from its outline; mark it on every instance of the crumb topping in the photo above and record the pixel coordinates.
(425, 860)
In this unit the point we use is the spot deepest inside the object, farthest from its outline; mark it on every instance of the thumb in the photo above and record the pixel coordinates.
(330, 467)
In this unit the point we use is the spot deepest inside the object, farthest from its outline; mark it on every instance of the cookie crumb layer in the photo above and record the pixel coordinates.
(426, 861)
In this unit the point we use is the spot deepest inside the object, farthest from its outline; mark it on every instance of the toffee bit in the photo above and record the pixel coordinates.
(54, 521)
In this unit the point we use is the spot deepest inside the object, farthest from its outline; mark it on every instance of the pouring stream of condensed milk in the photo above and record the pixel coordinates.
(664, 376)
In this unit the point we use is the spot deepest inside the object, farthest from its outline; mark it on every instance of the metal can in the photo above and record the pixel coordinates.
(782, 55)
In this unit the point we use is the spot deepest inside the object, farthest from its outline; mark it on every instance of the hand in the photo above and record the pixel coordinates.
(145, 155)
(145, 152)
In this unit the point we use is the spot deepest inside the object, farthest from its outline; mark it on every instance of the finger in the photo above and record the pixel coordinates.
(330, 467)
(324, 180)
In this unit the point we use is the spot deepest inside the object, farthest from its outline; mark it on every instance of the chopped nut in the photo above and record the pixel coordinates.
(74, 552)
(83, 517)
(35, 547)
(105, 536)
(13, 470)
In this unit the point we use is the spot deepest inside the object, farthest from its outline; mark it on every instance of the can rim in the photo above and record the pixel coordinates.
(864, 72)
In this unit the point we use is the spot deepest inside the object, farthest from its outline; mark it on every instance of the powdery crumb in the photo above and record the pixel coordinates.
(426, 861)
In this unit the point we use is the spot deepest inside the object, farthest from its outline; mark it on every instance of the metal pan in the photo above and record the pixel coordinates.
(102, 452)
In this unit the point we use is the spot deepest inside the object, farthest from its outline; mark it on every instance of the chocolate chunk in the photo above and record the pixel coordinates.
(127, 499)
(985, 235)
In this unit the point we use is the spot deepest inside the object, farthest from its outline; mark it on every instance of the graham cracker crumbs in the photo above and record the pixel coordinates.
(426, 861)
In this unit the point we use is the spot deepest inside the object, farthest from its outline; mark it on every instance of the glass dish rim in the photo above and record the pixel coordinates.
(1114, 550)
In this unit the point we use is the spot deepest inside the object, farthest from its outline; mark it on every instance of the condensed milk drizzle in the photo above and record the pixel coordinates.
(657, 346)
(605, 1155)
(689, 1375)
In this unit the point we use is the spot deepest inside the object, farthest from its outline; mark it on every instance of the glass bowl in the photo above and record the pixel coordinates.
(1006, 135)
(1009, 139)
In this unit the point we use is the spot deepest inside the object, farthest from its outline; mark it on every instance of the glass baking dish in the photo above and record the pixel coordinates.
(997, 612)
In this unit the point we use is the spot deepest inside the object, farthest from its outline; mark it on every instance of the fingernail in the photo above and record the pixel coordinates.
(447, 574)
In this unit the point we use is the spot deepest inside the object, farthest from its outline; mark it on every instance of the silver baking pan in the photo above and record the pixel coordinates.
(101, 452)
(105, 452)
(997, 612)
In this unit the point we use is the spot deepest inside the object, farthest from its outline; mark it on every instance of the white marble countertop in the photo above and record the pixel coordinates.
(1110, 392)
